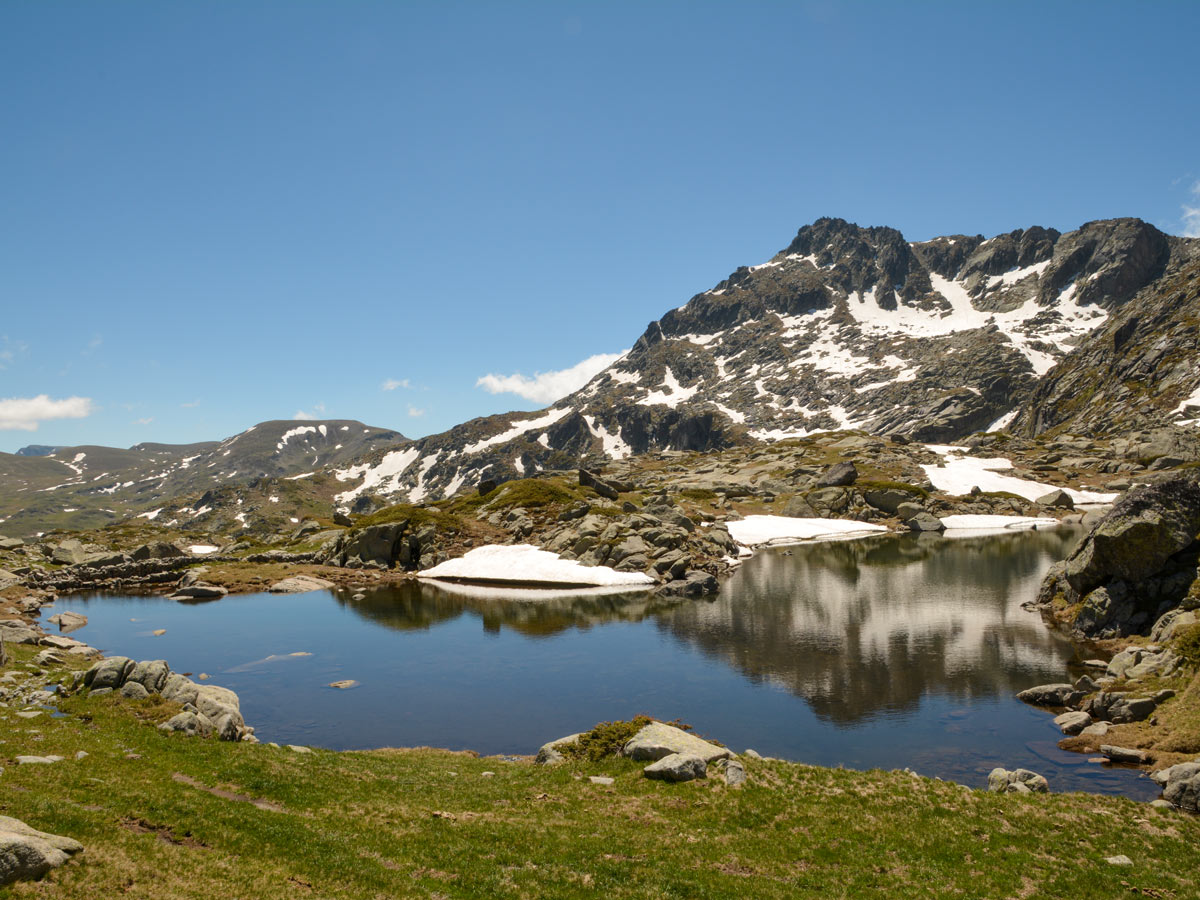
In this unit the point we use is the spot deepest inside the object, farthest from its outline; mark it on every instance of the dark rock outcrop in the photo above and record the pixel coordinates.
(1137, 565)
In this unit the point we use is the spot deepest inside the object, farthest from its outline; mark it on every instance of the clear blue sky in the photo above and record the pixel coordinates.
(216, 213)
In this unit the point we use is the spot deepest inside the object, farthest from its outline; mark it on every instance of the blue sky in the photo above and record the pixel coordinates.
(220, 213)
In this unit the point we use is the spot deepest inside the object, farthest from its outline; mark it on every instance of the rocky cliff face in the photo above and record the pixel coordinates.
(846, 327)
(1138, 370)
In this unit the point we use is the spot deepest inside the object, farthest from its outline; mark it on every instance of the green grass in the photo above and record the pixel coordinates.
(416, 516)
(428, 823)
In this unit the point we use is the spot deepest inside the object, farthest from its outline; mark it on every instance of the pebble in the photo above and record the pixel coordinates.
(1121, 860)
(296, 748)
(487, 774)
(600, 779)
(81, 754)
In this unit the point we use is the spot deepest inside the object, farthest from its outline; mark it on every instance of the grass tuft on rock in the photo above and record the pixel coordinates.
(605, 739)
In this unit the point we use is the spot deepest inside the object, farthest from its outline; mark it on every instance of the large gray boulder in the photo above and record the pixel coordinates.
(838, 475)
(550, 754)
(1138, 535)
(1181, 784)
(108, 673)
(156, 550)
(1051, 695)
(27, 854)
(677, 767)
(192, 724)
(658, 740)
(1018, 781)
(151, 674)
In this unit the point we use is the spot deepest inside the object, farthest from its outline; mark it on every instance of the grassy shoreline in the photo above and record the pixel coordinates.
(165, 816)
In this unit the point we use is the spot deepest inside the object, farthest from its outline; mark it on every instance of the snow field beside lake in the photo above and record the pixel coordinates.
(524, 563)
(958, 474)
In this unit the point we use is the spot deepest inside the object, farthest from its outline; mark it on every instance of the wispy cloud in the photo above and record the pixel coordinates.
(1191, 214)
(318, 412)
(546, 387)
(145, 420)
(392, 383)
(26, 413)
(9, 350)
(415, 413)
(192, 405)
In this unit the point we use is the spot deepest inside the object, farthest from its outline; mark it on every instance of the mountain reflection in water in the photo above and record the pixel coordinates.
(859, 627)
(889, 652)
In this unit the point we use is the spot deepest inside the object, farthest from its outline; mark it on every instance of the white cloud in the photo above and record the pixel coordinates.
(145, 420)
(191, 405)
(1191, 215)
(392, 383)
(26, 413)
(546, 387)
(414, 412)
(303, 416)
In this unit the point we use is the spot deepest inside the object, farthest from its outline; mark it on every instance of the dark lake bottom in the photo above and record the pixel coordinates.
(887, 652)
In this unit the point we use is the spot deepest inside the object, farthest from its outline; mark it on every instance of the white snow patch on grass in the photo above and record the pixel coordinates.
(202, 549)
(755, 531)
(958, 474)
(152, 515)
(526, 564)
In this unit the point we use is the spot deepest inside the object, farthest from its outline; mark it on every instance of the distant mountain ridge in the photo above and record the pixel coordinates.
(845, 328)
(91, 486)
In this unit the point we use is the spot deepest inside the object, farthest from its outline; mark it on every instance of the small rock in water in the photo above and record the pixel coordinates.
(344, 684)
(204, 676)
(159, 632)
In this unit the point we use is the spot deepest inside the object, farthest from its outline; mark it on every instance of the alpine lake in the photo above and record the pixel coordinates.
(885, 652)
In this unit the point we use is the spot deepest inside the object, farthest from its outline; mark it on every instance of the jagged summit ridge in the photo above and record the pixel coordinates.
(846, 327)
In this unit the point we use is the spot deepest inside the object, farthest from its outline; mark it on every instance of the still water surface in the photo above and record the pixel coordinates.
(887, 652)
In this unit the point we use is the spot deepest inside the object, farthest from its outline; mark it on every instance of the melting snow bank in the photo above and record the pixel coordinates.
(958, 474)
(754, 531)
(997, 523)
(523, 564)
(202, 549)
